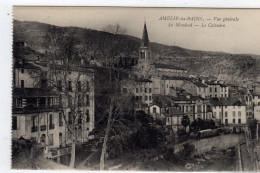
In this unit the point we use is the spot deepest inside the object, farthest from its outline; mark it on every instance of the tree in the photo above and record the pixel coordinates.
(112, 46)
(185, 121)
(69, 80)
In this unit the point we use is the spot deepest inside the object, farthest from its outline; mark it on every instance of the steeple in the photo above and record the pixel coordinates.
(145, 39)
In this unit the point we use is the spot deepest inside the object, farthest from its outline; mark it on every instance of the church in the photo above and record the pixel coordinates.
(148, 67)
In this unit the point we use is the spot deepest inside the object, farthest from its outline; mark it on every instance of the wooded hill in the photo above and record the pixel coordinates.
(232, 68)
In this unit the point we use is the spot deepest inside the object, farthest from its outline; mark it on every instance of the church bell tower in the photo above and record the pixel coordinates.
(145, 50)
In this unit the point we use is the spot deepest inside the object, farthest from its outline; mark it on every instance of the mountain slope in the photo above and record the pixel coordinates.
(230, 67)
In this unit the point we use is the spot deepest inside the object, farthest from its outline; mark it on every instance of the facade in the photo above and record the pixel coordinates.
(229, 111)
(141, 90)
(38, 111)
(194, 106)
(216, 89)
(173, 119)
(157, 111)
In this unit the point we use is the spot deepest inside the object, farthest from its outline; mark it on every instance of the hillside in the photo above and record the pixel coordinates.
(232, 68)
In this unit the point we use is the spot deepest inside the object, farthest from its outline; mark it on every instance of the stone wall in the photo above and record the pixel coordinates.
(204, 145)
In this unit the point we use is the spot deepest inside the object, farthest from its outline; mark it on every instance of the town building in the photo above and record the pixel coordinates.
(38, 111)
(194, 106)
(173, 119)
(141, 90)
(229, 111)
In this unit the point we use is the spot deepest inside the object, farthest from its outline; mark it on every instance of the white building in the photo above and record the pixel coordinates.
(229, 111)
(39, 112)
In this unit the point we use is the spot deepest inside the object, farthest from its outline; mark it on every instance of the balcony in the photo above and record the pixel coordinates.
(51, 126)
(43, 127)
(34, 129)
(34, 109)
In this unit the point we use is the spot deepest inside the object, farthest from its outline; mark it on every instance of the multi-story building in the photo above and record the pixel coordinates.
(141, 90)
(229, 111)
(216, 89)
(40, 113)
(194, 106)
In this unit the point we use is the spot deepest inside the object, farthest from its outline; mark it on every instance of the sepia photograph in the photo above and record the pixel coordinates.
(135, 89)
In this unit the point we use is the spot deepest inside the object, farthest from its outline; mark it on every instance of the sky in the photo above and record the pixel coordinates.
(240, 37)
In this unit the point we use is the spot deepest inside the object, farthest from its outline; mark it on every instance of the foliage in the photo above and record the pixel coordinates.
(145, 136)
(187, 151)
(200, 124)
(185, 121)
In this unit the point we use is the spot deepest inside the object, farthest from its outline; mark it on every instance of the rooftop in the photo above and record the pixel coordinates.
(167, 66)
(232, 101)
(174, 78)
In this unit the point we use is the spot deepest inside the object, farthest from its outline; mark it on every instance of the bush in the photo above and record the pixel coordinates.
(187, 152)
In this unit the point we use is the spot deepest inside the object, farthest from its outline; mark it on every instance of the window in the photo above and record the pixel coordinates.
(219, 114)
(234, 113)
(51, 125)
(136, 90)
(87, 116)
(60, 119)
(34, 127)
(87, 100)
(141, 98)
(168, 119)
(154, 110)
(70, 118)
(87, 86)
(79, 86)
(145, 90)
(22, 70)
(167, 85)
(216, 95)
(59, 85)
(214, 115)
(199, 109)
(210, 89)
(70, 86)
(226, 114)
(150, 90)
(146, 97)
(239, 113)
(187, 108)
(79, 117)
(215, 89)
(239, 121)
(14, 123)
(234, 121)
(51, 139)
(226, 121)
(22, 83)
(150, 98)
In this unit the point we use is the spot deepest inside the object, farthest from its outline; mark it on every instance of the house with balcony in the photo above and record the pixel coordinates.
(41, 113)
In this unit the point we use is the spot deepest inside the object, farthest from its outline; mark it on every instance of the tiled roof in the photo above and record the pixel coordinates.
(174, 78)
(185, 98)
(167, 66)
(232, 101)
(200, 84)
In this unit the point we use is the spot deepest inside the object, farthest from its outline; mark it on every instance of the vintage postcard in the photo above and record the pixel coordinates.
(137, 89)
